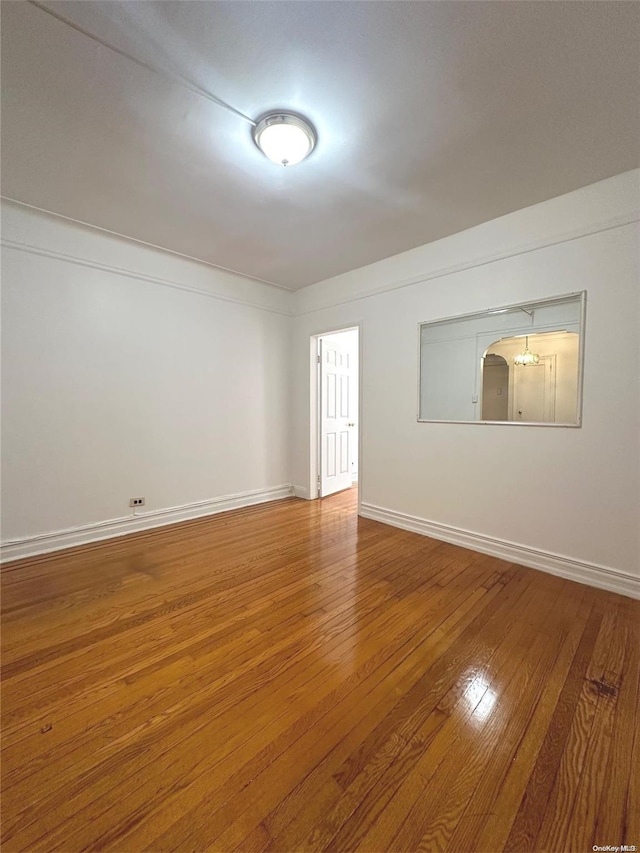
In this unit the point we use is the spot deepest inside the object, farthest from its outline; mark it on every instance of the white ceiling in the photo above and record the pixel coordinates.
(432, 117)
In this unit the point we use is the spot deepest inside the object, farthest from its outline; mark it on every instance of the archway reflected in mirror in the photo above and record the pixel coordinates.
(543, 389)
(495, 388)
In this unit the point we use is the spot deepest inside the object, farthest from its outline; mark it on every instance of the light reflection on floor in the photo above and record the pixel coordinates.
(348, 582)
(480, 698)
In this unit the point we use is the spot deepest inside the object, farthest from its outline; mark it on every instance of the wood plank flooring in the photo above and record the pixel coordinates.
(290, 677)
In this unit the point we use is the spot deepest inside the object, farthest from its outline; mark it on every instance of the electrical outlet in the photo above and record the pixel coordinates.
(136, 502)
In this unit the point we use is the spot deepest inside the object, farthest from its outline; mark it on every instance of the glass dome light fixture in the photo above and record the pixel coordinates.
(527, 357)
(285, 138)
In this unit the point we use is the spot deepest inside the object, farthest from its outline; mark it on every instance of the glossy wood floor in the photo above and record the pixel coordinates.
(290, 677)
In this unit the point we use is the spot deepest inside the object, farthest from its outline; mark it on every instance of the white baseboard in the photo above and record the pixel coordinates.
(576, 570)
(566, 567)
(43, 543)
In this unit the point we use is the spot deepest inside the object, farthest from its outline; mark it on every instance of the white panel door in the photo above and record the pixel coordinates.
(336, 373)
(534, 391)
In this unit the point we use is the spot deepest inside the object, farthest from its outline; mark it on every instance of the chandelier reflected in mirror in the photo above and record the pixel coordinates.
(526, 357)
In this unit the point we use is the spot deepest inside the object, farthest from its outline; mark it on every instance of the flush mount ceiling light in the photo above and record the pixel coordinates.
(285, 138)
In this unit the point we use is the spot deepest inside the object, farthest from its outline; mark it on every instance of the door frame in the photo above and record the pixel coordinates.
(314, 408)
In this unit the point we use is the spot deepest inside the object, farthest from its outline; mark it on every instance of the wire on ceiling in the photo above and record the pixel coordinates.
(194, 88)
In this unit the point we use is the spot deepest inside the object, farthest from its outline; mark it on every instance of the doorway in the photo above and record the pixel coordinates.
(335, 427)
(495, 388)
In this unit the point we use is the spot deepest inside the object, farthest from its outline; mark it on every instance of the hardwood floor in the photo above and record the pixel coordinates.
(291, 677)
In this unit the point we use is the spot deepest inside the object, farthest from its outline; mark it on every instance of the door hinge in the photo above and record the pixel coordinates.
(318, 358)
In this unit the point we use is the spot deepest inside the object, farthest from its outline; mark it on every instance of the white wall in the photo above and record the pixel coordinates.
(583, 483)
(128, 372)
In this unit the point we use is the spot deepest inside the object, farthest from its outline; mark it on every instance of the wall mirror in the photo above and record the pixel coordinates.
(519, 364)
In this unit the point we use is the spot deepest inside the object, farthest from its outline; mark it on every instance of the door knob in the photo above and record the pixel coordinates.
(350, 424)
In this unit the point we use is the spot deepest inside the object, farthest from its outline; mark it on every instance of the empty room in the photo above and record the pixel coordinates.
(320, 426)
